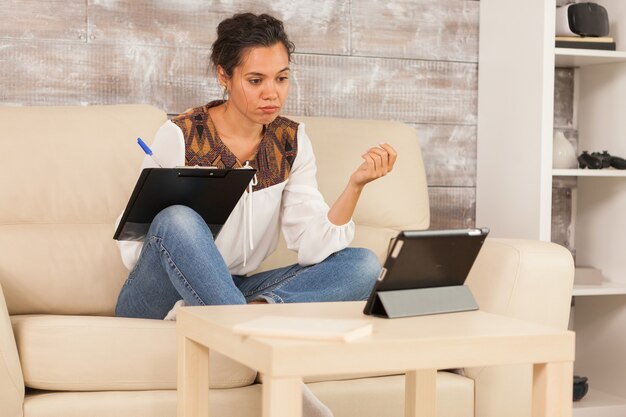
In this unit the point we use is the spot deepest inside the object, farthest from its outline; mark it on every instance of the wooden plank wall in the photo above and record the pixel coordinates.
(408, 60)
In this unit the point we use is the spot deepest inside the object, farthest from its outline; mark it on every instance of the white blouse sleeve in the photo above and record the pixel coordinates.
(168, 150)
(305, 223)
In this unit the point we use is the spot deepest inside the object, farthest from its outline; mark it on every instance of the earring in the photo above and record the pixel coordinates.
(225, 94)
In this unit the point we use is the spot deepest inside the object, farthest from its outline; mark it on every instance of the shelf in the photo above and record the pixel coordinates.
(606, 172)
(572, 58)
(598, 403)
(606, 288)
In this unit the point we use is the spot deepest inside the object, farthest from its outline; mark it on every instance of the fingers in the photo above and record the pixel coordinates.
(370, 163)
(393, 155)
(377, 158)
(384, 158)
(378, 162)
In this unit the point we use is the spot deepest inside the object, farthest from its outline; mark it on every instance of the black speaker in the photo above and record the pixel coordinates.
(582, 19)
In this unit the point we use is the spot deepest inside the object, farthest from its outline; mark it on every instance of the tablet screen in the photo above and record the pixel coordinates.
(431, 258)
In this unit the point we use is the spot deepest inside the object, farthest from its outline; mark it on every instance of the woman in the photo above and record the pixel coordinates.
(179, 261)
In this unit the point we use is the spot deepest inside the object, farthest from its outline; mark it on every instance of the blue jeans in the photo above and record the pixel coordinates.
(179, 260)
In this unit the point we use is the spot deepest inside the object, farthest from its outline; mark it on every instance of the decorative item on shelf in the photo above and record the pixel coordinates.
(587, 275)
(563, 153)
(586, 160)
(609, 160)
(581, 387)
(599, 160)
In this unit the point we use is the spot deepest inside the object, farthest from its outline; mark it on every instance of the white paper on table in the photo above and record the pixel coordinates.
(305, 328)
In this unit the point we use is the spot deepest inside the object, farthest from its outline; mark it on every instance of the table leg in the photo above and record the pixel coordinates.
(193, 378)
(420, 391)
(552, 389)
(282, 397)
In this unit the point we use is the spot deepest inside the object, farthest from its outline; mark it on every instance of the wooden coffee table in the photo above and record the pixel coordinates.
(417, 346)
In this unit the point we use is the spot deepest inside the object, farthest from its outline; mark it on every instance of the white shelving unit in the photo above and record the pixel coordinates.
(572, 58)
(607, 172)
(597, 403)
(515, 175)
(606, 288)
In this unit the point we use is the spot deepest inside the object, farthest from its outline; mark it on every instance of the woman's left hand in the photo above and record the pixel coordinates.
(378, 162)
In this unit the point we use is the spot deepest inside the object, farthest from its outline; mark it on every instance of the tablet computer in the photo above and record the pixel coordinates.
(427, 259)
(211, 192)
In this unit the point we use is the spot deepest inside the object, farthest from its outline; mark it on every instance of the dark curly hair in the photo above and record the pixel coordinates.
(243, 31)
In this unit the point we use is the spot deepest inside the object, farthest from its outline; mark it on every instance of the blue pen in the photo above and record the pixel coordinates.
(147, 150)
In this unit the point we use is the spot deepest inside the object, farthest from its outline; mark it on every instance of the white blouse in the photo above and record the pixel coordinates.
(294, 206)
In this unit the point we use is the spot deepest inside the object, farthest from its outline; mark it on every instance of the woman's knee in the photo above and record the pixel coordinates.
(179, 218)
(176, 214)
(365, 267)
(365, 260)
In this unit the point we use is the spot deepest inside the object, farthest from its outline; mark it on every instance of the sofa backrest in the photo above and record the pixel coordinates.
(66, 174)
(386, 206)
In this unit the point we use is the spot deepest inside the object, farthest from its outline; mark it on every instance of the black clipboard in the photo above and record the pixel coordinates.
(425, 273)
(211, 192)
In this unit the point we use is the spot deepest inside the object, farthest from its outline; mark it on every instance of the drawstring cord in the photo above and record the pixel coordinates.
(247, 216)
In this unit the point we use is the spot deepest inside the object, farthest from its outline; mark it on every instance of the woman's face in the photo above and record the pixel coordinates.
(259, 85)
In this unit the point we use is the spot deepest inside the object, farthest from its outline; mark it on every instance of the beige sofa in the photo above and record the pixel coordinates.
(66, 173)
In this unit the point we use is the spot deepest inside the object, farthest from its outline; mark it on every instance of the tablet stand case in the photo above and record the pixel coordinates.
(423, 301)
(425, 273)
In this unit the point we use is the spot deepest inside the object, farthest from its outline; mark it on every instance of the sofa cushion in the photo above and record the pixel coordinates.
(158, 403)
(371, 397)
(65, 175)
(398, 201)
(81, 353)
(11, 379)
(239, 402)
(384, 396)
(60, 268)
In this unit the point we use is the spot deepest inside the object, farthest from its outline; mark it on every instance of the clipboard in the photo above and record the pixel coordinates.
(213, 193)
(425, 273)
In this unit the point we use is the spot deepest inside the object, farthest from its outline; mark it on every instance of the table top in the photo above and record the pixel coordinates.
(466, 339)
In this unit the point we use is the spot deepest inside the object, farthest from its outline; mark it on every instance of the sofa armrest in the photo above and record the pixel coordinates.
(11, 379)
(524, 279)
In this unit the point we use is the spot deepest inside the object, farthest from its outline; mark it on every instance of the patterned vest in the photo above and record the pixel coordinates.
(277, 150)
